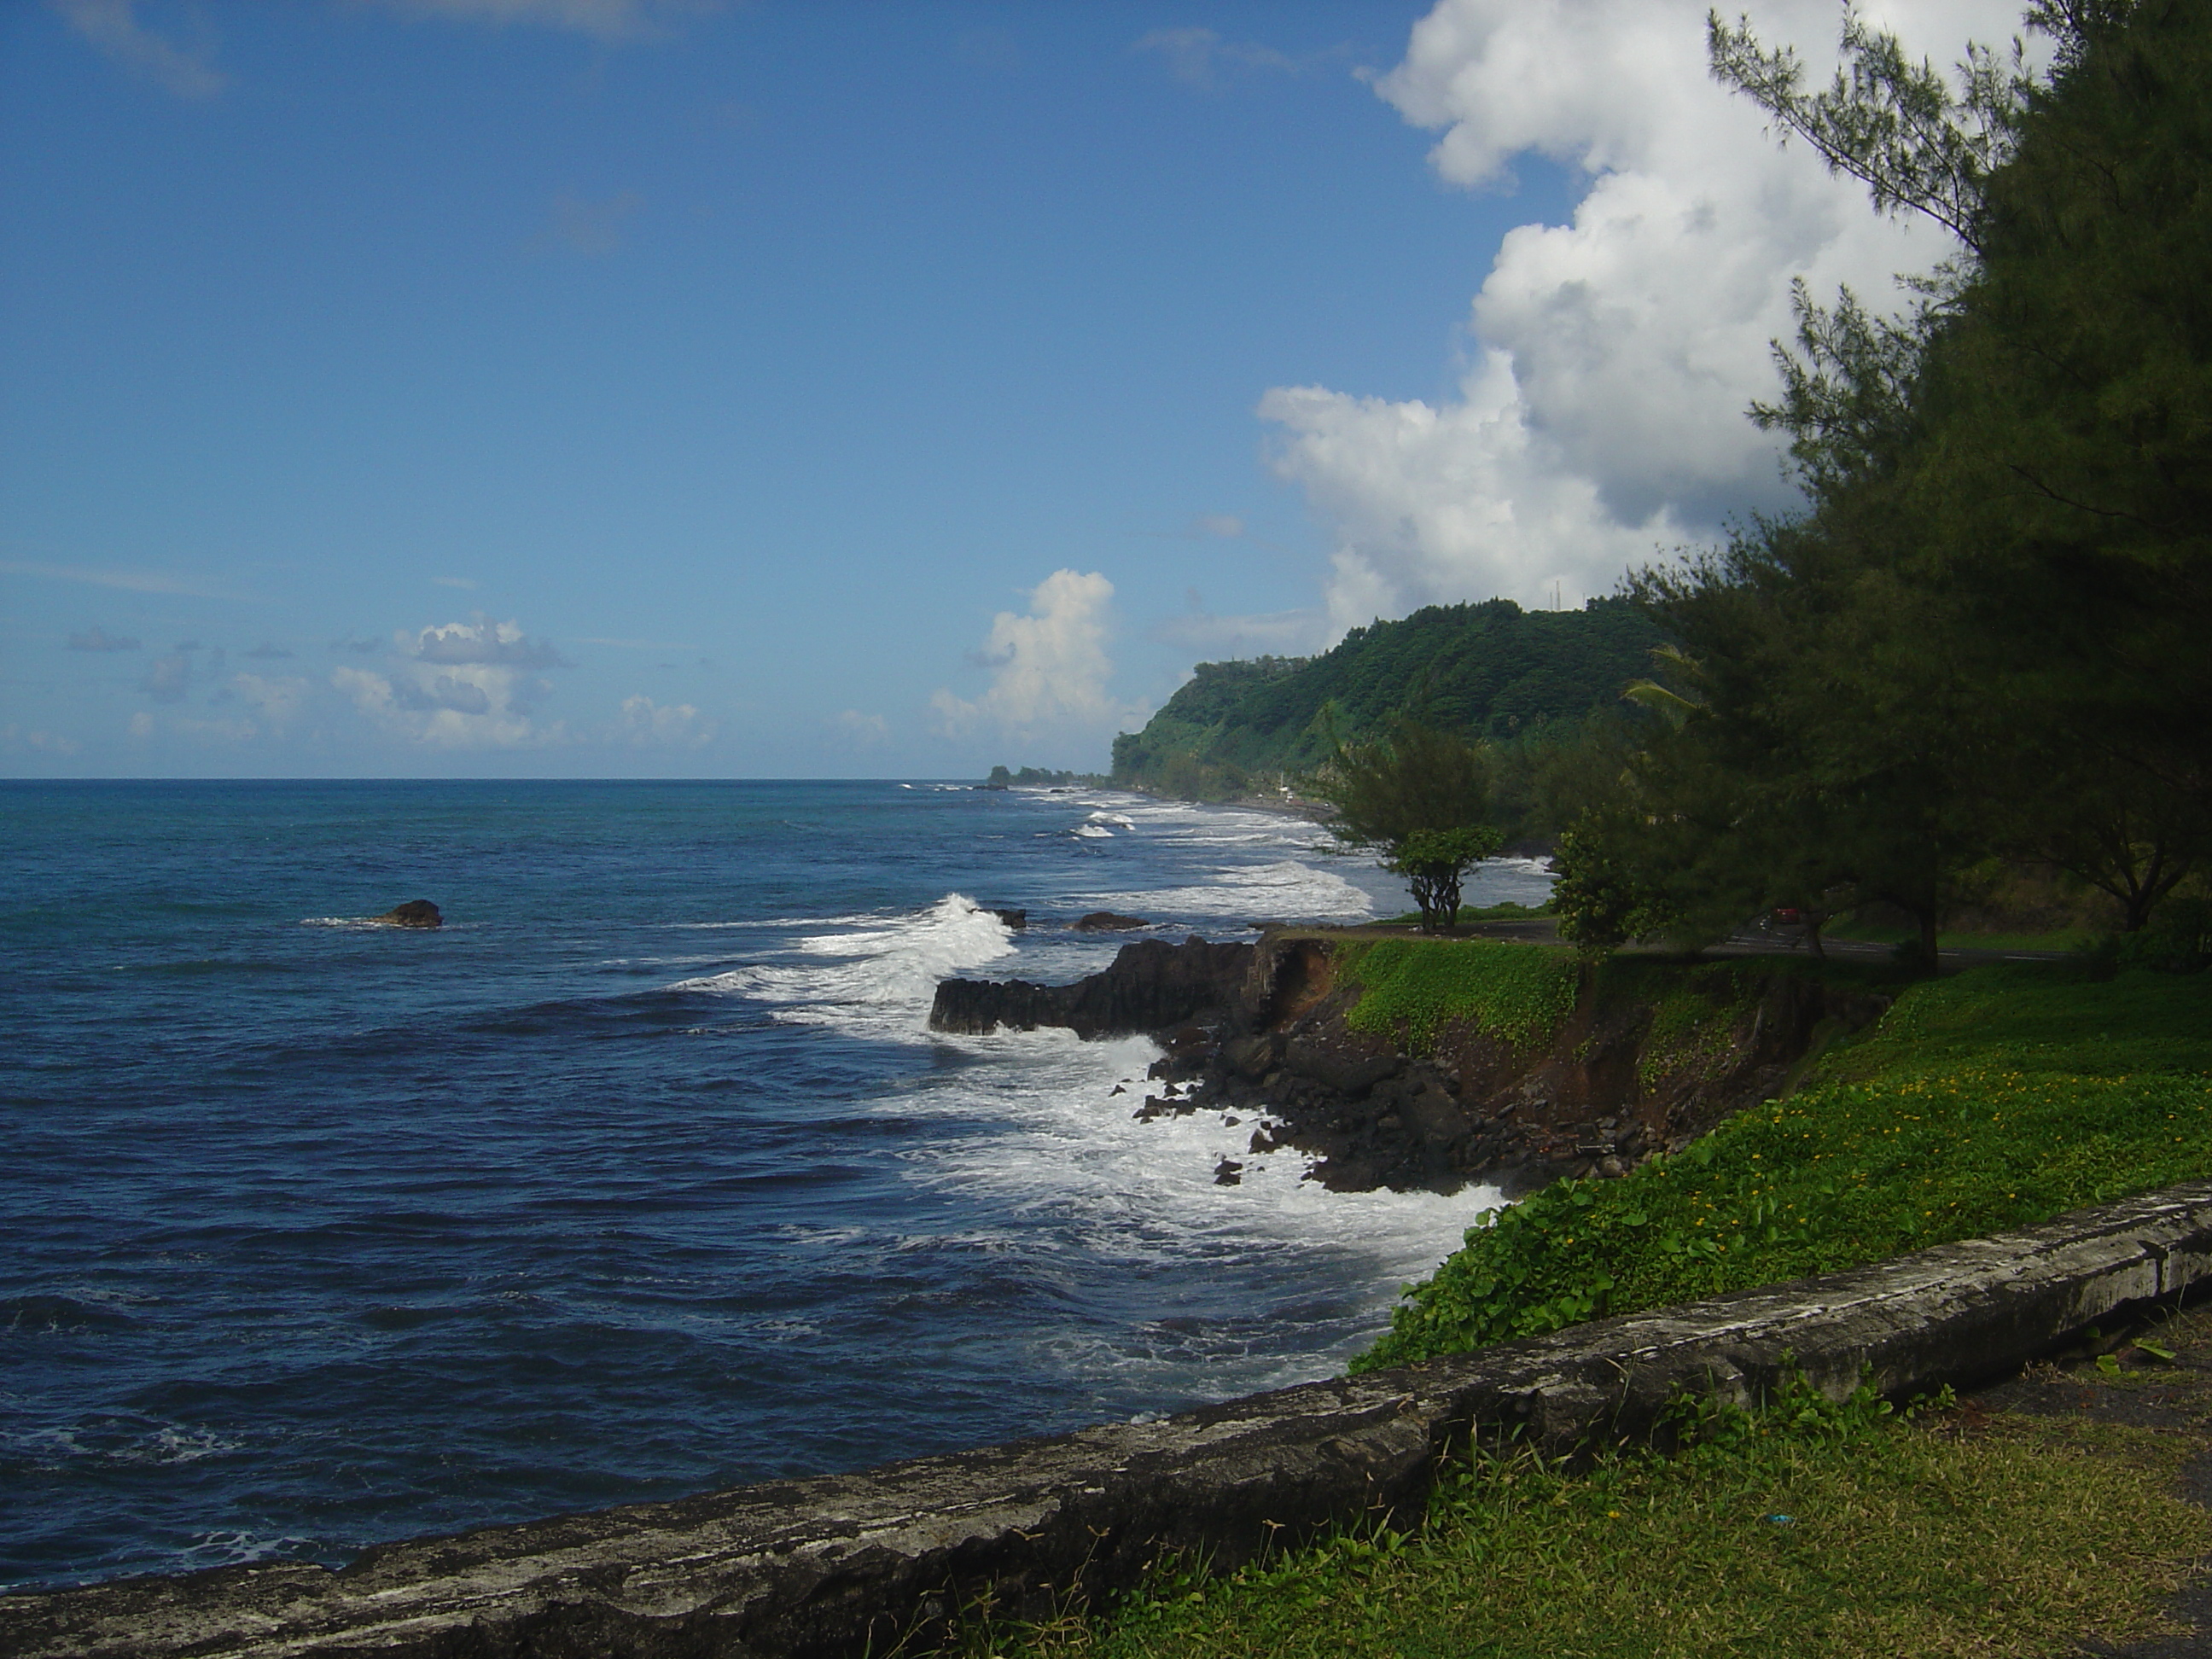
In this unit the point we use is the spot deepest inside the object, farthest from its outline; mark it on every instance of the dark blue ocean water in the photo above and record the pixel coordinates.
(642, 1178)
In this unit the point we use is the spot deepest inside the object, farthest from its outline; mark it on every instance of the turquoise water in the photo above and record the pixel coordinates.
(642, 1178)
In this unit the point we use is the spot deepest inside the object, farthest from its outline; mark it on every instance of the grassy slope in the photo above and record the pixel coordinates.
(2004, 1095)
(1410, 986)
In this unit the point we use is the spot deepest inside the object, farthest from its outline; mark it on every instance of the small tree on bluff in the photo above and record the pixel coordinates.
(1419, 797)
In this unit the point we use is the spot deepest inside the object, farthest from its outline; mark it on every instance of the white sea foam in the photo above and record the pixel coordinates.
(231, 1549)
(1094, 832)
(1514, 880)
(1262, 1283)
(880, 976)
(1139, 1198)
(1283, 891)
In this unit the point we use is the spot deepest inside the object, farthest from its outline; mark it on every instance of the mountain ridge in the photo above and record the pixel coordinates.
(1491, 669)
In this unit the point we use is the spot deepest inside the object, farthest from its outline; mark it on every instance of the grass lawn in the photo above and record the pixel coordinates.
(1806, 1530)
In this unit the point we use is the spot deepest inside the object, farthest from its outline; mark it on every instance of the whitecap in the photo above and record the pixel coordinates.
(881, 977)
(1282, 890)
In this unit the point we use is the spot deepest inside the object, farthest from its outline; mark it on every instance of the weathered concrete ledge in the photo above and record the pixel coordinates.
(829, 1567)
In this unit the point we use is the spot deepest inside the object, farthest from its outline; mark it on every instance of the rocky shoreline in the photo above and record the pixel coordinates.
(1258, 1033)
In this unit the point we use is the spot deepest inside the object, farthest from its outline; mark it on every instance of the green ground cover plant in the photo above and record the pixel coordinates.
(1519, 993)
(1693, 1021)
(2001, 1097)
(1807, 1528)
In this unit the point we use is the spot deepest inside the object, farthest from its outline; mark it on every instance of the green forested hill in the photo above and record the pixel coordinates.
(1490, 669)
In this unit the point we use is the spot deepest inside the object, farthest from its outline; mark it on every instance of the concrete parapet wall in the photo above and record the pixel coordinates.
(846, 1564)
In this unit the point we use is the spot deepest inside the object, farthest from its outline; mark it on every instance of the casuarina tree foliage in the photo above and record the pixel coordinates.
(1984, 636)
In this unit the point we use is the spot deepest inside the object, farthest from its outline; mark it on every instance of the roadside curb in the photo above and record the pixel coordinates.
(845, 1565)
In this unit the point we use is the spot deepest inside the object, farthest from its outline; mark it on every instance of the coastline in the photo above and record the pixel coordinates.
(1271, 1035)
(707, 1080)
(1287, 807)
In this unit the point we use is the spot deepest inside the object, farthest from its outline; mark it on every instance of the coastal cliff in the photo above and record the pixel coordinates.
(1151, 986)
(1617, 1060)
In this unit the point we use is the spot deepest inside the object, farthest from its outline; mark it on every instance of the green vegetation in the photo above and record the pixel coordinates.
(1979, 643)
(1419, 797)
(1814, 1530)
(1518, 993)
(1874, 933)
(1491, 671)
(1693, 1021)
(2001, 1097)
(1522, 994)
(1507, 910)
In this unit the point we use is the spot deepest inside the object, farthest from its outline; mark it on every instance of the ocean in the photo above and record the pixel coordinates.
(642, 1178)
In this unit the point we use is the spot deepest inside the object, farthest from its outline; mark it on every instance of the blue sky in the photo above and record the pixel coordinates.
(607, 387)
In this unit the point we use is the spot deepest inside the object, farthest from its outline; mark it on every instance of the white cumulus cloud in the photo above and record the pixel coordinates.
(460, 685)
(1049, 668)
(168, 678)
(1602, 416)
(647, 724)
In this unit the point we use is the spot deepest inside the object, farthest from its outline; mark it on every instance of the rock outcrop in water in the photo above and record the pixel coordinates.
(415, 912)
(1153, 986)
(1259, 1033)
